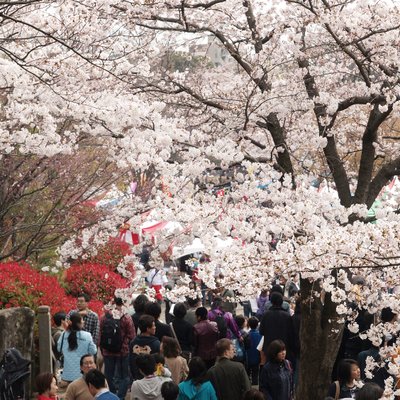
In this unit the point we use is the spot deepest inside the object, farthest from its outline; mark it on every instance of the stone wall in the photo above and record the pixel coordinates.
(16, 330)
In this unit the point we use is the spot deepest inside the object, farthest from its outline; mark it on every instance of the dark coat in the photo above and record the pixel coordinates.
(277, 324)
(142, 344)
(276, 381)
(229, 379)
(184, 333)
(162, 330)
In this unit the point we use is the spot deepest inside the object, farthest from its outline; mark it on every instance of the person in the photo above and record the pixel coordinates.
(192, 306)
(276, 378)
(348, 373)
(276, 289)
(205, 336)
(276, 324)
(60, 323)
(169, 390)
(148, 388)
(370, 391)
(146, 343)
(228, 305)
(156, 278)
(252, 354)
(78, 389)
(117, 358)
(253, 394)
(228, 377)
(90, 318)
(183, 330)
(174, 361)
(261, 301)
(46, 385)
(97, 385)
(138, 305)
(230, 329)
(161, 368)
(73, 344)
(154, 309)
(196, 386)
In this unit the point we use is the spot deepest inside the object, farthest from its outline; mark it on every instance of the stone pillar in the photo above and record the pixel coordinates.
(16, 330)
(45, 351)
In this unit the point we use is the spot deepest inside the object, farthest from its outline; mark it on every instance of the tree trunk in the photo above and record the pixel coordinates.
(320, 337)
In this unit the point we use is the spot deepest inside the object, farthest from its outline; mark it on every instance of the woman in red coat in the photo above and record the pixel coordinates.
(46, 385)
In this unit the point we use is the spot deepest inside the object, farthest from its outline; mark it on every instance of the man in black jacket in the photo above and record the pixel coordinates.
(145, 343)
(277, 323)
(154, 309)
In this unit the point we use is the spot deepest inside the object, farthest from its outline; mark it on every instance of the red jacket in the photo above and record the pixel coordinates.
(128, 333)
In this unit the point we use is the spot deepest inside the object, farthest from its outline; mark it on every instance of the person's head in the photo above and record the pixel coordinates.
(348, 371)
(82, 301)
(253, 394)
(276, 299)
(387, 315)
(153, 309)
(225, 348)
(76, 326)
(169, 390)
(180, 310)
(170, 347)
(87, 363)
(217, 303)
(276, 351)
(140, 302)
(147, 325)
(118, 301)
(370, 391)
(264, 293)
(46, 383)
(159, 358)
(193, 302)
(253, 322)
(95, 381)
(197, 371)
(59, 318)
(146, 364)
(76, 321)
(201, 313)
(276, 289)
(240, 321)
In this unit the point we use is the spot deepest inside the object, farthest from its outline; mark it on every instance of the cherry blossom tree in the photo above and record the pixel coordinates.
(300, 91)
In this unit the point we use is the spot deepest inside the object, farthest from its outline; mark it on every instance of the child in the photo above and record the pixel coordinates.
(161, 369)
(252, 354)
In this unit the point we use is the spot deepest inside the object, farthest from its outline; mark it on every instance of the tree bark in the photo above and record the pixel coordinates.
(320, 337)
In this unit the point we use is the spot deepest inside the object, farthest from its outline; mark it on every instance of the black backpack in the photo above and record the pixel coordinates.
(222, 326)
(111, 338)
(14, 371)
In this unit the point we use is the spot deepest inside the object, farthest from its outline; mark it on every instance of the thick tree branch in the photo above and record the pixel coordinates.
(368, 152)
(387, 172)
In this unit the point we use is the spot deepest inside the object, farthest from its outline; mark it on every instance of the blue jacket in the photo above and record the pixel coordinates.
(252, 354)
(188, 391)
(72, 369)
(107, 396)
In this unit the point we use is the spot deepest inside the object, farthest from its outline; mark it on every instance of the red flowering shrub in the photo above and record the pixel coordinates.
(23, 286)
(111, 254)
(94, 279)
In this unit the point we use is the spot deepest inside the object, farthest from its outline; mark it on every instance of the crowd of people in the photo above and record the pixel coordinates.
(201, 353)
